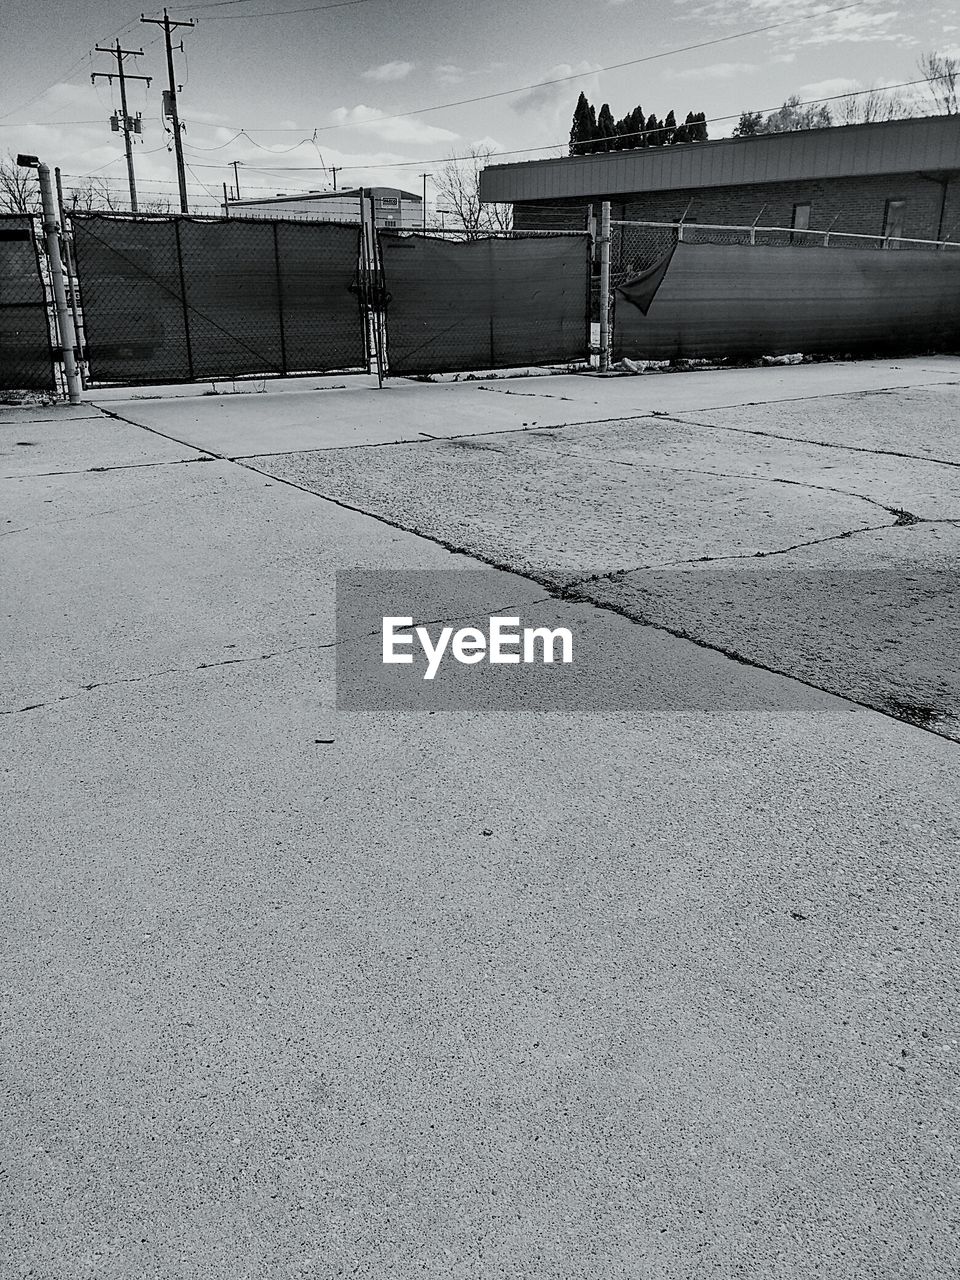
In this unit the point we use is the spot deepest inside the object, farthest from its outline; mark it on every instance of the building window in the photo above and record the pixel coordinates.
(893, 218)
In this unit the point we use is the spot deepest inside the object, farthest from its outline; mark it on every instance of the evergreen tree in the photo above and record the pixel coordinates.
(606, 130)
(593, 131)
(634, 130)
(583, 128)
(591, 143)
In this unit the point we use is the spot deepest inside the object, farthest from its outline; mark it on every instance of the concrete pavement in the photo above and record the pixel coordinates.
(298, 992)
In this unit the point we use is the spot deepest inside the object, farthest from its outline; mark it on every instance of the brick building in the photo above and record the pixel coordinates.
(898, 178)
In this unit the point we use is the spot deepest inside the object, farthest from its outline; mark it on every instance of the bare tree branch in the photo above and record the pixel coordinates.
(458, 186)
(943, 73)
(876, 104)
(19, 189)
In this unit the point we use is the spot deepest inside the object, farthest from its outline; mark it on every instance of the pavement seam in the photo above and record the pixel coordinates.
(244, 661)
(820, 444)
(120, 466)
(897, 512)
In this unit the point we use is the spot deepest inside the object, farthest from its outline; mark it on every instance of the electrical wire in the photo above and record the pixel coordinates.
(192, 146)
(616, 66)
(284, 13)
(549, 146)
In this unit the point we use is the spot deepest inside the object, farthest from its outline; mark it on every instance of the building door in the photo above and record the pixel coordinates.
(893, 218)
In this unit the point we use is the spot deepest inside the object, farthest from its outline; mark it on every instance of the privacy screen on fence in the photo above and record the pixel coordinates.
(179, 299)
(718, 301)
(26, 358)
(485, 304)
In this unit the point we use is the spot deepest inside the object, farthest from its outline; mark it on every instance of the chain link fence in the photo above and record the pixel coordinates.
(26, 349)
(636, 246)
(501, 301)
(180, 299)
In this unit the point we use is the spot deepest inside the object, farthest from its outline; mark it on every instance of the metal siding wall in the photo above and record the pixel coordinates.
(732, 301)
(847, 151)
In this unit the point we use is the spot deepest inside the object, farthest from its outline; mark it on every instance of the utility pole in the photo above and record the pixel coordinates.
(423, 210)
(236, 178)
(125, 124)
(168, 26)
(335, 169)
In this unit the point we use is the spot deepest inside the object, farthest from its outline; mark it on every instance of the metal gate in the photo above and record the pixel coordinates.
(179, 299)
(26, 354)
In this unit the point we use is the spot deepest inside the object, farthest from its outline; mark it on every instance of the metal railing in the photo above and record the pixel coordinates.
(686, 232)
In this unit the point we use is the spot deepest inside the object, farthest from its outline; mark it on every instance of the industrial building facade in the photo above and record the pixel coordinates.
(895, 179)
(394, 210)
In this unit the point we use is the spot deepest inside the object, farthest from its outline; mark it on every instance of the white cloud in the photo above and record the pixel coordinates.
(871, 20)
(398, 131)
(716, 71)
(548, 97)
(829, 88)
(389, 71)
(449, 73)
(486, 143)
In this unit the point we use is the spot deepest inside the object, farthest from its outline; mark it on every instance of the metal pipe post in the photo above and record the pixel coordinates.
(605, 287)
(51, 232)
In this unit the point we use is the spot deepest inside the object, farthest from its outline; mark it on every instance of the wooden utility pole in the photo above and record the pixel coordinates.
(168, 26)
(335, 169)
(236, 178)
(423, 210)
(127, 126)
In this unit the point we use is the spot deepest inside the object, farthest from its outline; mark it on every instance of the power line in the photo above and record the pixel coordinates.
(549, 146)
(74, 66)
(616, 66)
(284, 13)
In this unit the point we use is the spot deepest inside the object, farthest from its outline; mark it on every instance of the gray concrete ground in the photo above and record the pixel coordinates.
(297, 992)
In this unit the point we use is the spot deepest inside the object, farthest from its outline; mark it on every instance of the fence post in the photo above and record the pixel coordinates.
(605, 287)
(183, 298)
(51, 231)
(65, 240)
(279, 276)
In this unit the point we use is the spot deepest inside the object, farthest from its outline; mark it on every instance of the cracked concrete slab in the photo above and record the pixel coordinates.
(349, 410)
(665, 445)
(859, 591)
(917, 421)
(530, 506)
(77, 438)
(157, 569)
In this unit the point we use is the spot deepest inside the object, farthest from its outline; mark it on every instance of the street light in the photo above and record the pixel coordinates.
(51, 232)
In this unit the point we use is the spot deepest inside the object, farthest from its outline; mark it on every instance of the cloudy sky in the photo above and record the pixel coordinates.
(386, 89)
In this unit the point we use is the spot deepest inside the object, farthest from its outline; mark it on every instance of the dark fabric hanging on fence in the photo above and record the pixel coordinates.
(732, 301)
(485, 304)
(26, 354)
(179, 299)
